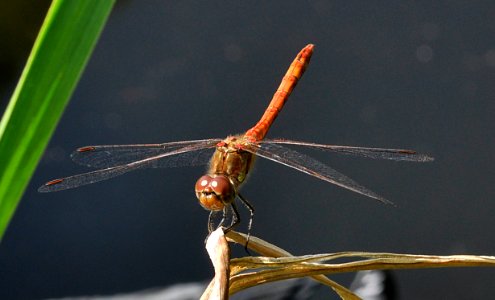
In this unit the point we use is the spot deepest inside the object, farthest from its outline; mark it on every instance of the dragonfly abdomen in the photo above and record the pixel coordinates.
(289, 81)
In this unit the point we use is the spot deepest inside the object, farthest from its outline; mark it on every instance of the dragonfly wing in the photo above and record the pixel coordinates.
(106, 156)
(104, 174)
(86, 178)
(311, 166)
(375, 153)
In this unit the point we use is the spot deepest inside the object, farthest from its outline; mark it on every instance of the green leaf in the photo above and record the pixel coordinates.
(60, 53)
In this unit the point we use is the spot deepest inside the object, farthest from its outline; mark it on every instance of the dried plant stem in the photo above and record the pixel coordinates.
(219, 252)
(233, 275)
(264, 248)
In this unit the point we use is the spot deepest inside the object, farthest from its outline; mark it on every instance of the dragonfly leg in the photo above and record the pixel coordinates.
(251, 212)
(225, 213)
(210, 222)
(235, 217)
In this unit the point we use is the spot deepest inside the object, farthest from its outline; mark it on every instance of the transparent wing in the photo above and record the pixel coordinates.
(375, 153)
(104, 174)
(311, 166)
(105, 156)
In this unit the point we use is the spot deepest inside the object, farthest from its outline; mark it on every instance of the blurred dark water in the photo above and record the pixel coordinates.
(403, 74)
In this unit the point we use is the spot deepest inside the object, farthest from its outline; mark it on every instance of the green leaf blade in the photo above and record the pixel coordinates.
(65, 42)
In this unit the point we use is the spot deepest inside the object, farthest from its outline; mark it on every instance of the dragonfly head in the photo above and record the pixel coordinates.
(214, 191)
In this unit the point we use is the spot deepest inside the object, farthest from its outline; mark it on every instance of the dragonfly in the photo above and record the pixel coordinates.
(230, 159)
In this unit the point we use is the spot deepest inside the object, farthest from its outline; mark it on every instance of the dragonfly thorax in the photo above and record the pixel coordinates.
(214, 192)
(231, 160)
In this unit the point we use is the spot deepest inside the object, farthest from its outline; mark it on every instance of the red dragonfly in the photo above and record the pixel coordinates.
(232, 159)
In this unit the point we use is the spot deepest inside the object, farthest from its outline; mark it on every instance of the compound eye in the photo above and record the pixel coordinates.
(203, 184)
(221, 186)
(214, 192)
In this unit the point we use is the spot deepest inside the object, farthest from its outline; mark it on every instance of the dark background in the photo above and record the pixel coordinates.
(405, 74)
